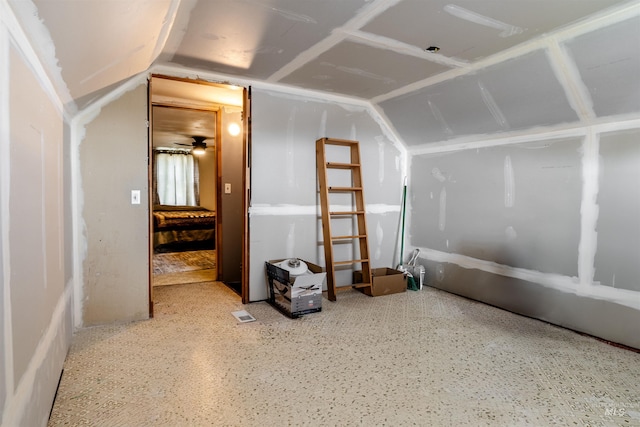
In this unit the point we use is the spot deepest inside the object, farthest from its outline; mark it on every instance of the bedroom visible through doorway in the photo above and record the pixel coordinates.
(194, 138)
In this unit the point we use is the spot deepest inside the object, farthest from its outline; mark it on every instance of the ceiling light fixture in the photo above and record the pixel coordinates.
(198, 150)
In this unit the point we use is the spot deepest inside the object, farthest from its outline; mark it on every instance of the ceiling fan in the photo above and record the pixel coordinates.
(198, 144)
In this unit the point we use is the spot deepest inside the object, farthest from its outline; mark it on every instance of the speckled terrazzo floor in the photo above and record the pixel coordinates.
(424, 358)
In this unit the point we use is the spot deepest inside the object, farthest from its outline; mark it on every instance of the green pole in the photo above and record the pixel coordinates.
(404, 205)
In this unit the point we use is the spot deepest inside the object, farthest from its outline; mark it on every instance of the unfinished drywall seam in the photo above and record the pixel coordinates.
(381, 42)
(306, 56)
(589, 209)
(507, 30)
(333, 39)
(294, 93)
(555, 281)
(178, 30)
(596, 21)
(18, 403)
(567, 73)
(56, 90)
(572, 130)
(190, 73)
(167, 25)
(378, 115)
(5, 189)
(514, 52)
(263, 209)
(599, 20)
(78, 226)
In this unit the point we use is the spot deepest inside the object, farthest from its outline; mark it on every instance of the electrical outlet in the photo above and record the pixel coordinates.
(135, 197)
(227, 188)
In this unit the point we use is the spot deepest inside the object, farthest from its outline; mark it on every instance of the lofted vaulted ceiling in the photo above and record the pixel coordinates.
(498, 65)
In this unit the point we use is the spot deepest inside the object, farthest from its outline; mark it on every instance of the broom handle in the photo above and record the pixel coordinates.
(404, 206)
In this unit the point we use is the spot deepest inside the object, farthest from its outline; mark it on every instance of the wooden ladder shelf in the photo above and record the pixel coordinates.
(357, 213)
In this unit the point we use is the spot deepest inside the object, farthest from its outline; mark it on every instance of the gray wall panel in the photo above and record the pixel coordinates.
(37, 253)
(113, 161)
(517, 205)
(617, 261)
(36, 209)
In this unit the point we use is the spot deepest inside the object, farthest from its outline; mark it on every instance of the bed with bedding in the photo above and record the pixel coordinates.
(183, 228)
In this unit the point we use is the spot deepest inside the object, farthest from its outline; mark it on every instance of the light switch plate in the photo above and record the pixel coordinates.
(135, 197)
(227, 188)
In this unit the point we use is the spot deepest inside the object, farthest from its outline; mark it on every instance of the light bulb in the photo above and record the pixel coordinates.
(234, 129)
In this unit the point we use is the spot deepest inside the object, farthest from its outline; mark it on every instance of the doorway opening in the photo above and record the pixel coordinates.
(198, 138)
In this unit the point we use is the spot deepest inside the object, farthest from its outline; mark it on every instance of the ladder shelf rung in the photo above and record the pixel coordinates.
(344, 189)
(352, 286)
(351, 261)
(335, 165)
(361, 285)
(343, 142)
(359, 236)
(343, 213)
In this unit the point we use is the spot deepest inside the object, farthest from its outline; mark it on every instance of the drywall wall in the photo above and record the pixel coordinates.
(285, 212)
(231, 214)
(36, 296)
(517, 205)
(113, 162)
(524, 179)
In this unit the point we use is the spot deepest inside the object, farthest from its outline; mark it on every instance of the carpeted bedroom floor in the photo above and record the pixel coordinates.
(175, 268)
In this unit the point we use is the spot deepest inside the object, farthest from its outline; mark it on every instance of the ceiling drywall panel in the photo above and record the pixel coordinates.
(366, 49)
(447, 110)
(524, 92)
(255, 38)
(413, 119)
(363, 71)
(471, 29)
(99, 43)
(609, 64)
(461, 107)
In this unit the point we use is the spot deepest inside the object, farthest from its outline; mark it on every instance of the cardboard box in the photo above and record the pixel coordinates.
(297, 295)
(385, 281)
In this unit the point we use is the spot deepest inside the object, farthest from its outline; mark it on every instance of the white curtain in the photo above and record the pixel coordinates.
(176, 179)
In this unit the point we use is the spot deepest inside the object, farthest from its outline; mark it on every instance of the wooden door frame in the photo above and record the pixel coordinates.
(246, 185)
(246, 140)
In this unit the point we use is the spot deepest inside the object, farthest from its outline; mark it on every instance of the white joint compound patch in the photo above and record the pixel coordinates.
(506, 30)
(381, 145)
(509, 183)
(442, 216)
